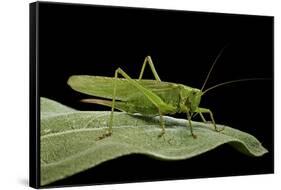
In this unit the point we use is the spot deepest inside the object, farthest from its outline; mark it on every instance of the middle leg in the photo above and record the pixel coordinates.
(190, 125)
(162, 124)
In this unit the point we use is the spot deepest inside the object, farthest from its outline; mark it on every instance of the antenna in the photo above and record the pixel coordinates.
(233, 81)
(218, 56)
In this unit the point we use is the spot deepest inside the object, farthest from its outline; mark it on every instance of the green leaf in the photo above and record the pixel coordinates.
(68, 144)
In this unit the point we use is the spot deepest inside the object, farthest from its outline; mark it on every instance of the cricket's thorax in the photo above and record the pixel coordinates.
(189, 99)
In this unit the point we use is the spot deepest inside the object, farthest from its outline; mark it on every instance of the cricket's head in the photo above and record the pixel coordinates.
(195, 99)
(190, 99)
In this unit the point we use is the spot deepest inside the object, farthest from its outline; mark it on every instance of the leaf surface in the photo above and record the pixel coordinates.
(68, 144)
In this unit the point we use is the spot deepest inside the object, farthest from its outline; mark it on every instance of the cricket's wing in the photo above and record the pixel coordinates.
(100, 86)
(125, 106)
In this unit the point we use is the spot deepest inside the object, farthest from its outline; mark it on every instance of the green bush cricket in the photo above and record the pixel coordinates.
(147, 97)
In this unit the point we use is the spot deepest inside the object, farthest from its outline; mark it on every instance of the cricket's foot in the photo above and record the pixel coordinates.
(194, 136)
(164, 136)
(215, 127)
(161, 134)
(219, 130)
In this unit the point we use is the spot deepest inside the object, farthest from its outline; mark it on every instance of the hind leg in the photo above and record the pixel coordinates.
(151, 96)
(154, 72)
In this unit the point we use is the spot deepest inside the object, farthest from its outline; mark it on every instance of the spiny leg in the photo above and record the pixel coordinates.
(155, 99)
(205, 110)
(190, 125)
(154, 72)
(156, 76)
(202, 117)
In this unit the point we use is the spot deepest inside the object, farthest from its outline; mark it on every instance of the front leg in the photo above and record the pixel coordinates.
(205, 110)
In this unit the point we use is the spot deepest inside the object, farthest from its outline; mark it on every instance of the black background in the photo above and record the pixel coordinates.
(96, 40)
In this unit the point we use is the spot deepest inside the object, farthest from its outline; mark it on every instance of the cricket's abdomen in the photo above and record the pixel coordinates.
(141, 104)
